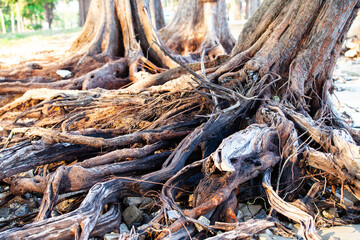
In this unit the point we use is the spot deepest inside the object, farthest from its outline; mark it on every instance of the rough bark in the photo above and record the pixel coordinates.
(198, 25)
(113, 29)
(251, 6)
(49, 12)
(83, 11)
(157, 14)
(265, 108)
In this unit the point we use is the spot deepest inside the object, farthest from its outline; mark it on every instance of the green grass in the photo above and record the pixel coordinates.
(9, 39)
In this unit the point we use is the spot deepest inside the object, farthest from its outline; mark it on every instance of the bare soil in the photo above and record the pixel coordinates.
(36, 48)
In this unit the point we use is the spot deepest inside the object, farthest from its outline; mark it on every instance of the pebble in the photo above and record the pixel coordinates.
(204, 221)
(123, 228)
(330, 213)
(129, 201)
(27, 196)
(269, 232)
(349, 198)
(22, 211)
(63, 73)
(249, 211)
(112, 236)
(28, 174)
(350, 53)
(2, 195)
(264, 236)
(172, 214)
(4, 212)
(145, 202)
(239, 216)
(66, 204)
(132, 215)
(33, 65)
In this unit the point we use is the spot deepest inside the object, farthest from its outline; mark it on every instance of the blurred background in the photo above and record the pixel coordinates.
(21, 16)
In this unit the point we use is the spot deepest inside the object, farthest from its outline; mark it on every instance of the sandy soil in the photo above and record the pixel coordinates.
(36, 48)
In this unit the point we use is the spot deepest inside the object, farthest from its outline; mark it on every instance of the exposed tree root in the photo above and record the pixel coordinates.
(263, 109)
(190, 32)
(292, 212)
(242, 230)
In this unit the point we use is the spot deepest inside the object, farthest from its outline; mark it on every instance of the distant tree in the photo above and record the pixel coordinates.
(251, 6)
(49, 6)
(83, 11)
(2, 19)
(198, 25)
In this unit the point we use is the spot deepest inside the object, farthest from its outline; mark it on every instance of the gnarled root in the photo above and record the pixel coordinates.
(289, 210)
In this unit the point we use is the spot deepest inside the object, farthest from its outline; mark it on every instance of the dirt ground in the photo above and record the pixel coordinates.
(37, 48)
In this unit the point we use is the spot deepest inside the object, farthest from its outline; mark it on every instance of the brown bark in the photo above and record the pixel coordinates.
(157, 14)
(113, 29)
(83, 11)
(198, 25)
(121, 23)
(266, 109)
(49, 12)
(251, 6)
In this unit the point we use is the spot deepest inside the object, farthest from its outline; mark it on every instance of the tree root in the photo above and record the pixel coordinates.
(292, 212)
(241, 230)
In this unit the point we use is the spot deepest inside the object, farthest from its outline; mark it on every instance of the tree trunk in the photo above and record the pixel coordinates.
(3, 27)
(49, 12)
(237, 5)
(251, 6)
(264, 110)
(114, 29)
(19, 24)
(83, 11)
(12, 17)
(198, 25)
(157, 14)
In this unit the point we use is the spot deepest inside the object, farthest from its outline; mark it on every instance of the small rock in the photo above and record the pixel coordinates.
(351, 197)
(66, 204)
(350, 53)
(204, 221)
(3, 194)
(27, 196)
(132, 215)
(191, 199)
(22, 211)
(239, 215)
(28, 174)
(63, 73)
(264, 236)
(269, 232)
(133, 201)
(261, 214)
(4, 212)
(173, 215)
(330, 213)
(145, 202)
(146, 218)
(347, 201)
(112, 236)
(241, 205)
(250, 211)
(33, 65)
(124, 229)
